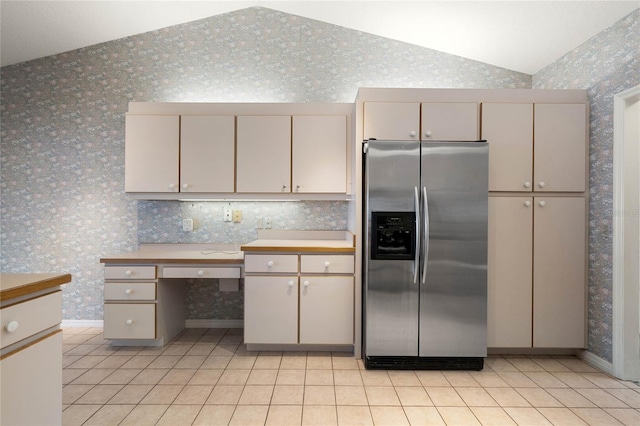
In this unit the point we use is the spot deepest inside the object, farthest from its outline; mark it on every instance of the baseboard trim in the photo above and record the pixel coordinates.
(214, 323)
(82, 323)
(597, 362)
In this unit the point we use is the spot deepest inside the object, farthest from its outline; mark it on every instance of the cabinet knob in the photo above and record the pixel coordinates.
(542, 184)
(428, 133)
(527, 203)
(527, 184)
(290, 283)
(306, 283)
(412, 133)
(270, 263)
(326, 264)
(128, 273)
(542, 203)
(297, 188)
(172, 186)
(12, 326)
(129, 322)
(200, 273)
(185, 186)
(284, 187)
(128, 291)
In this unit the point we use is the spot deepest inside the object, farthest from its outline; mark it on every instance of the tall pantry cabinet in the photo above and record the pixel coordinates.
(538, 199)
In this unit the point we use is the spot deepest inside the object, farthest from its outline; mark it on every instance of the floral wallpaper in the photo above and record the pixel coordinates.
(62, 203)
(605, 65)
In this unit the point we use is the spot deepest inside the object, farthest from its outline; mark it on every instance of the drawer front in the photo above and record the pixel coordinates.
(326, 264)
(27, 318)
(129, 291)
(271, 263)
(130, 321)
(195, 272)
(129, 272)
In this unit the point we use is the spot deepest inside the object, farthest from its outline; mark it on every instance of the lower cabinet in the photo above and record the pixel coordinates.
(536, 273)
(313, 306)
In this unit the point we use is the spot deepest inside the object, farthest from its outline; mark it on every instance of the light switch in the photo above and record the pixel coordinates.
(187, 225)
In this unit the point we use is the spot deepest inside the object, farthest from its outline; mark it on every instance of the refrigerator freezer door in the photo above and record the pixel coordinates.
(453, 297)
(391, 296)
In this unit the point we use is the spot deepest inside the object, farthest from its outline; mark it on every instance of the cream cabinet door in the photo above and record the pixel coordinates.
(508, 128)
(152, 153)
(207, 153)
(559, 272)
(510, 249)
(392, 121)
(326, 310)
(271, 309)
(560, 147)
(263, 154)
(319, 154)
(449, 121)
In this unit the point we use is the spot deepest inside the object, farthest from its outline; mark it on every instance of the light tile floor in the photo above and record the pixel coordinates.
(206, 377)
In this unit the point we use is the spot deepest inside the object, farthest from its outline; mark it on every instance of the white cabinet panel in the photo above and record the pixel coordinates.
(129, 321)
(207, 153)
(271, 309)
(449, 121)
(326, 264)
(30, 317)
(271, 263)
(129, 272)
(129, 291)
(392, 120)
(319, 156)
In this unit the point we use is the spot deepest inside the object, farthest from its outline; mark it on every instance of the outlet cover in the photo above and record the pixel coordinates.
(187, 225)
(237, 216)
(227, 214)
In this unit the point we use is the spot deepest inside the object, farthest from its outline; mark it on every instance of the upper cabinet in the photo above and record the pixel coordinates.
(169, 153)
(319, 157)
(437, 121)
(151, 153)
(207, 153)
(392, 121)
(449, 121)
(536, 147)
(264, 154)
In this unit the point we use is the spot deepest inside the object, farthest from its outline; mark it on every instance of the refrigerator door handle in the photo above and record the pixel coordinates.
(425, 203)
(416, 261)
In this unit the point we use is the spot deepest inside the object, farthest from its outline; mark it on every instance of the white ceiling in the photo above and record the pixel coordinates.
(522, 36)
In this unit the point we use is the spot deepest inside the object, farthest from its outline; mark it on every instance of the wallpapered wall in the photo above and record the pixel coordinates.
(607, 64)
(63, 204)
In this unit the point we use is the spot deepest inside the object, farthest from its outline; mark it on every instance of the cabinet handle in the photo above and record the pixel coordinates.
(172, 186)
(185, 186)
(527, 184)
(128, 291)
(284, 187)
(12, 326)
(128, 273)
(542, 184)
(326, 264)
(200, 273)
(270, 263)
(129, 322)
(306, 283)
(412, 133)
(297, 188)
(527, 203)
(290, 283)
(428, 133)
(542, 203)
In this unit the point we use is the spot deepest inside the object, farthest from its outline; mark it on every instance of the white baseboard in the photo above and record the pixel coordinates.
(214, 323)
(597, 362)
(82, 323)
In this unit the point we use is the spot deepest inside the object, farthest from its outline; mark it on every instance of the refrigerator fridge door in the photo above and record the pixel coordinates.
(392, 176)
(453, 288)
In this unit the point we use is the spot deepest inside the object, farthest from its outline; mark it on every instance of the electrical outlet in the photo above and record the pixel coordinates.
(237, 216)
(267, 223)
(187, 225)
(260, 225)
(227, 214)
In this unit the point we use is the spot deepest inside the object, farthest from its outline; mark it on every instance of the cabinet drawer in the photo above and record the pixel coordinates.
(271, 263)
(129, 291)
(129, 272)
(195, 272)
(30, 317)
(326, 264)
(130, 321)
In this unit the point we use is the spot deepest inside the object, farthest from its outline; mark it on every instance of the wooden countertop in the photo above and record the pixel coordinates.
(17, 285)
(303, 242)
(180, 253)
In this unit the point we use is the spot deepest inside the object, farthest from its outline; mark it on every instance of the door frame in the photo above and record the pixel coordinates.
(626, 298)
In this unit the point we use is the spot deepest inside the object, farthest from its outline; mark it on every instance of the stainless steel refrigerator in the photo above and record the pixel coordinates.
(425, 254)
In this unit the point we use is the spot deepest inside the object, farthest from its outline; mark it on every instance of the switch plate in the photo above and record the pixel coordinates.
(267, 223)
(227, 214)
(187, 225)
(237, 216)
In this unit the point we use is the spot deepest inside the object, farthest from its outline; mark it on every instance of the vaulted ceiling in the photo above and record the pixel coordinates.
(523, 36)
